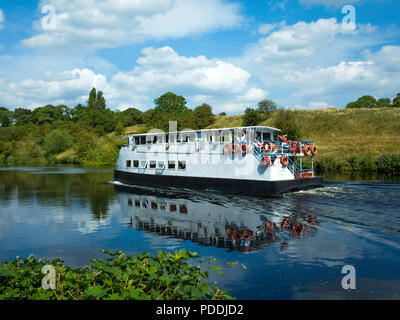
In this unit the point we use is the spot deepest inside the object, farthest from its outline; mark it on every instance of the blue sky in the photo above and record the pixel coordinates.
(230, 54)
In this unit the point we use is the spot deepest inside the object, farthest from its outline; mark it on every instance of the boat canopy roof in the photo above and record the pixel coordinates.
(160, 132)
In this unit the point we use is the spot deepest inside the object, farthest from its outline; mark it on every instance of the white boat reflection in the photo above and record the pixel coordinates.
(209, 223)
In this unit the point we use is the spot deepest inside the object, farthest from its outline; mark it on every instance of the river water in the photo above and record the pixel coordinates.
(293, 247)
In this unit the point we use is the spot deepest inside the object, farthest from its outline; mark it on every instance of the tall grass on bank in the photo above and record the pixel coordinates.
(386, 163)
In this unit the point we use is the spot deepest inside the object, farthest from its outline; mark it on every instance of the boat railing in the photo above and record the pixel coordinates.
(293, 168)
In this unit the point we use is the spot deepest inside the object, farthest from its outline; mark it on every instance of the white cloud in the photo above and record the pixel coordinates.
(266, 28)
(197, 78)
(67, 87)
(158, 70)
(316, 105)
(299, 40)
(320, 61)
(88, 25)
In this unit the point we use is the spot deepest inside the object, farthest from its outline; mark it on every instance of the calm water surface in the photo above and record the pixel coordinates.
(72, 214)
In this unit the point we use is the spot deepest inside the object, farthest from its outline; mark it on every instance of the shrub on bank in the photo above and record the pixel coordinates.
(388, 163)
(166, 276)
(385, 163)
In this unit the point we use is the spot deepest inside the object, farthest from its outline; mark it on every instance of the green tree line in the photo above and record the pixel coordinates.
(371, 102)
(89, 135)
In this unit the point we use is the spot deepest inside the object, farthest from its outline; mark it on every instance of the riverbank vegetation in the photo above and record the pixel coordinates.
(89, 135)
(167, 276)
(361, 137)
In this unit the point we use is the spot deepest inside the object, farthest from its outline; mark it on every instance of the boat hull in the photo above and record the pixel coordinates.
(236, 186)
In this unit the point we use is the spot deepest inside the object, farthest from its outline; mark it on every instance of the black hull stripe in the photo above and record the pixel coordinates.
(245, 187)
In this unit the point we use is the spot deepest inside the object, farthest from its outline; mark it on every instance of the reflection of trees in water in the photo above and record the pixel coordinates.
(55, 189)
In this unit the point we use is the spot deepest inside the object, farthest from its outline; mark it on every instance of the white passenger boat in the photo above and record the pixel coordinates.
(247, 160)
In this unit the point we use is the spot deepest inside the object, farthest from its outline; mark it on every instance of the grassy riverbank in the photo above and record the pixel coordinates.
(347, 140)
(167, 276)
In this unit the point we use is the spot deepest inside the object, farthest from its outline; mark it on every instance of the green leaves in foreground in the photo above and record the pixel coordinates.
(165, 276)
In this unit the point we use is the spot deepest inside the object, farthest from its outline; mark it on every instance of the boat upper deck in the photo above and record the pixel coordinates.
(221, 134)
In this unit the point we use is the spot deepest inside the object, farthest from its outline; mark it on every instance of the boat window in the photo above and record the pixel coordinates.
(185, 138)
(137, 140)
(143, 164)
(183, 209)
(143, 140)
(137, 203)
(154, 205)
(172, 208)
(153, 164)
(266, 136)
(166, 138)
(128, 163)
(182, 165)
(130, 203)
(136, 163)
(172, 138)
(155, 139)
(171, 165)
(161, 165)
(163, 206)
(258, 136)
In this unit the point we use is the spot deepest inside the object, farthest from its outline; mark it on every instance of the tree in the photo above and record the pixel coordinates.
(5, 121)
(100, 101)
(251, 117)
(49, 114)
(396, 101)
(363, 102)
(383, 103)
(131, 116)
(96, 113)
(202, 116)
(5, 117)
(92, 98)
(171, 103)
(286, 122)
(22, 116)
(119, 129)
(266, 107)
(222, 114)
(57, 141)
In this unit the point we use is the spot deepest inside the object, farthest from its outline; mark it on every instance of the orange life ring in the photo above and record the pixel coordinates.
(228, 148)
(314, 150)
(246, 147)
(265, 161)
(307, 150)
(265, 147)
(293, 146)
(271, 226)
(285, 223)
(284, 160)
(235, 148)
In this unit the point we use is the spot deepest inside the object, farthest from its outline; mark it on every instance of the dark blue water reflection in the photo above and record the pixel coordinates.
(73, 213)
